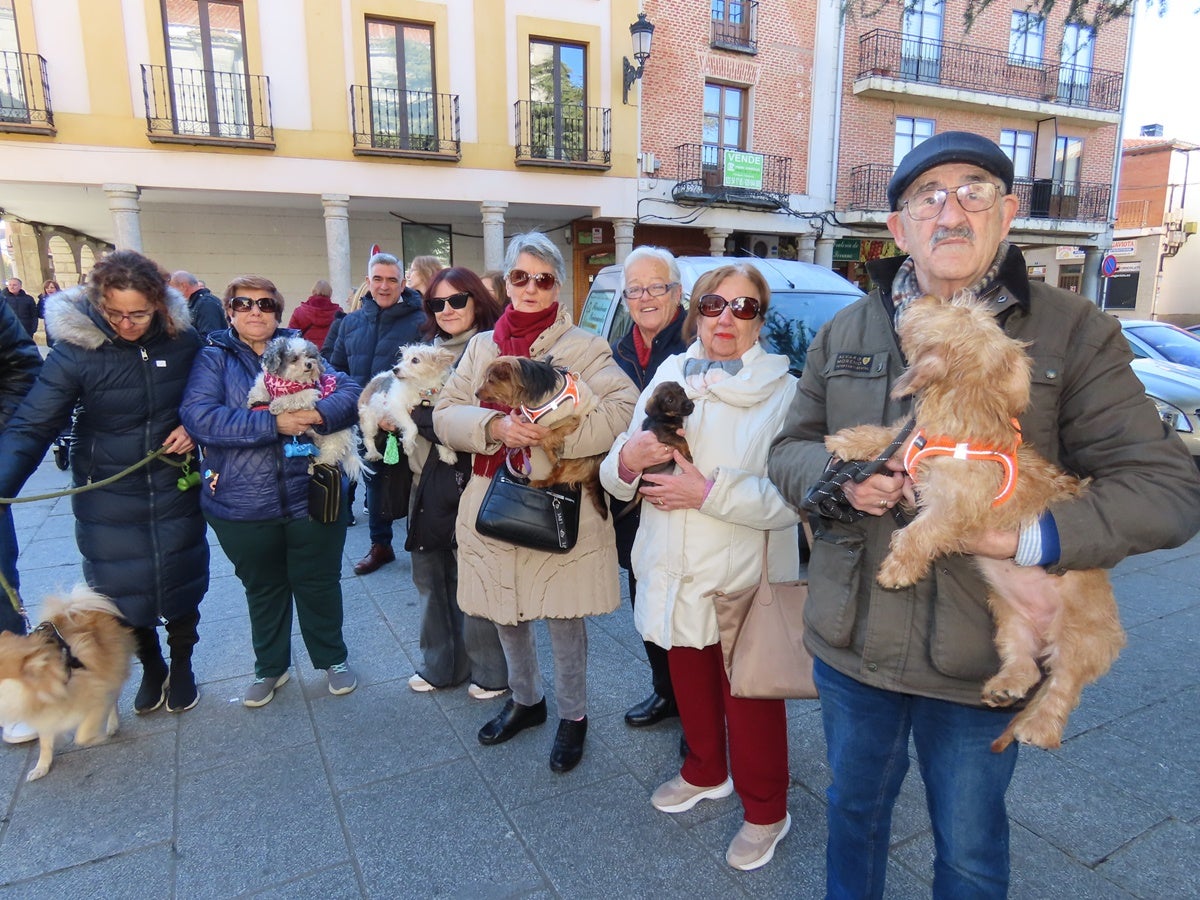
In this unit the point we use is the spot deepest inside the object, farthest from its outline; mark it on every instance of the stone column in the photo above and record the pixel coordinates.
(126, 215)
(1089, 283)
(806, 247)
(28, 255)
(492, 213)
(623, 238)
(337, 242)
(824, 253)
(716, 240)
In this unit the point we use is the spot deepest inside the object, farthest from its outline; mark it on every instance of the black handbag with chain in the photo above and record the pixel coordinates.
(545, 518)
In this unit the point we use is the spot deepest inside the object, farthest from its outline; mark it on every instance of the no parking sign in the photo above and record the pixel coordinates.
(1108, 266)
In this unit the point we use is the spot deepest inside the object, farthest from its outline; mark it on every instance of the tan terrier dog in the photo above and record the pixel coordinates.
(973, 474)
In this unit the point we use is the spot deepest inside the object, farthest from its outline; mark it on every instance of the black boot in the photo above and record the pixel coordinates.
(568, 745)
(182, 693)
(153, 689)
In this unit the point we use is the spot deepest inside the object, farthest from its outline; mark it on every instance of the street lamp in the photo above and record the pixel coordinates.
(642, 32)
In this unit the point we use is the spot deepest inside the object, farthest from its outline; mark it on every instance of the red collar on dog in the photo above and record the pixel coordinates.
(281, 387)
(939, 445)
(570, 391)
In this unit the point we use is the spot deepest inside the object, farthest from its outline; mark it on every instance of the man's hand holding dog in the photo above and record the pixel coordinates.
(298, 421)
(514, 432)
(880, 492)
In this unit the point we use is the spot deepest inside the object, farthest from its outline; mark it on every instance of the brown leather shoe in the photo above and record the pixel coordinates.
(378, 555)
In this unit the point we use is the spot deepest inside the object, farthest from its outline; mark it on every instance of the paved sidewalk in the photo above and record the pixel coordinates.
(386, 793)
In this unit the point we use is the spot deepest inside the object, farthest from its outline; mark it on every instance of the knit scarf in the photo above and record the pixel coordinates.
(514, 334)
(281, 387)
(905, 288)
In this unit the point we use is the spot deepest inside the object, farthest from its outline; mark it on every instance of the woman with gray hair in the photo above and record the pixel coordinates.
(513, 585)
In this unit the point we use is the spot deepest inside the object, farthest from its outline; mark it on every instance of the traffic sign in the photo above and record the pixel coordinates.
(1108, 266)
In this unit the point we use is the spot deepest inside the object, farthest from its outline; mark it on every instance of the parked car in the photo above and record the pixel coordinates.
(1160, 340)
(1175, 390)
(803, 298)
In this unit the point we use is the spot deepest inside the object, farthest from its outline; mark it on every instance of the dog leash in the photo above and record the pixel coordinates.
(184, 464)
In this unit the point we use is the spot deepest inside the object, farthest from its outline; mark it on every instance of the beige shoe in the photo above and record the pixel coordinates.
(477, 692)
(677, 795)
(754, 845)
(419, 684)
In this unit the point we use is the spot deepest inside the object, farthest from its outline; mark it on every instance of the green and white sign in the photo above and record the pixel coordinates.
(743, 170)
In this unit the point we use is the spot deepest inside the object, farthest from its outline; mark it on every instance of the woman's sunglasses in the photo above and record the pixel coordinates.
(264, 304)
(456, 301)
(712, 305)
(543, 281)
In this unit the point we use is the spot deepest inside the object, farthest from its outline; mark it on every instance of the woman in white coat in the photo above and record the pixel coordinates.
(701, 530)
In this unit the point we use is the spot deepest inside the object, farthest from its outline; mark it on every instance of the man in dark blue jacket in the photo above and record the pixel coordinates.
(390, 317)
(24, 306)
(208, 315)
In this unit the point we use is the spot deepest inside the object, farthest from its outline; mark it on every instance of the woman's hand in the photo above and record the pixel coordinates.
(882, 491)
(642, 451)
(514, 432)
(296, 422)
(179, 441)
(686, 490)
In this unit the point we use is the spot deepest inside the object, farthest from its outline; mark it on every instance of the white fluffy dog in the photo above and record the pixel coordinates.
(419, 373)
(292, 379)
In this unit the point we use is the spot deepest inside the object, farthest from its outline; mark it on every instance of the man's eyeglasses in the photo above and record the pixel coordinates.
(135, 318)
(264, 304)
(975, 196)
(456, 301)
(543, 281)
(650, 290)
(712, 305)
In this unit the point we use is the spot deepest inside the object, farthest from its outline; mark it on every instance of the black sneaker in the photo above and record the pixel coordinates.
(153, 690)
(182, 693)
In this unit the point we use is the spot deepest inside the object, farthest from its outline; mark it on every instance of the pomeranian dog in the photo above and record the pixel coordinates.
(556, 399)
(973, 474)
(420, 372)
(294, 378)
(67, 673)
(666, 409)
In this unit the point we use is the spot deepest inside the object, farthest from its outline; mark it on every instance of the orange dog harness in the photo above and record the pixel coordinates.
(924, 446)
(570, 391)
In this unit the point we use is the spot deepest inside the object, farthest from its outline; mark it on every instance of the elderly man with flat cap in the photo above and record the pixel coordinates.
(891, 665)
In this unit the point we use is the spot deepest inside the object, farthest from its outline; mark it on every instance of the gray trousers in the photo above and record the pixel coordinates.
(454, 646)
(568, 645)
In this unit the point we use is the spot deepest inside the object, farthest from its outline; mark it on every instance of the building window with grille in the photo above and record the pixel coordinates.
(1018, 146)
(211, 91)
(558, 95)
(1025, 39)
(909, 133)
(724, 126)
(1068, 159)
(921, 47)
(13, 105)
(733, 24)
(403, 102)
(1075, 72)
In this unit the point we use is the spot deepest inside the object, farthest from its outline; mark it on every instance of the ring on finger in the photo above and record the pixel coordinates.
(883, 504)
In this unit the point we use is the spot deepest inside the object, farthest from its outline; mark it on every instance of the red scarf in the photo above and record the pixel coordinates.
(281, 387)
(641, 348)
(514, 334)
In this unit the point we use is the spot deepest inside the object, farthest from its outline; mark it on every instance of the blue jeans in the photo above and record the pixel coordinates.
(9, 619)
(866, 734)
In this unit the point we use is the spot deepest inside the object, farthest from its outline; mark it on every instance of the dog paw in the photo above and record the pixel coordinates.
(893, 575)
(1047, 735)
(1005, 689)
(446, 455)
(371, 453)
(37, 772)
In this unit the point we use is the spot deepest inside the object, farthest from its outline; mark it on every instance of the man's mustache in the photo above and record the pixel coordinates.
(962, 232)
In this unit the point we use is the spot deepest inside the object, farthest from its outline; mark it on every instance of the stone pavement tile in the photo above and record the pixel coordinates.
(225, 650)
(401, 607)
(116, 797)
(605, 840)
(374, 655)
(219, 731)
(334, 883)
(1075, 808)
(1166, 730)
(438, 832)
(1173, 785)
(132, 875)
(616, 680)
(47, 555)
(226, 599)
(1161, 864)
(650, 755)
(48, 528)
(379, 732)
(1148, 594)
(268, 818)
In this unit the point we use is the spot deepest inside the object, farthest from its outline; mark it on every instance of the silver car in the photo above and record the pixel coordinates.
(1175, 390)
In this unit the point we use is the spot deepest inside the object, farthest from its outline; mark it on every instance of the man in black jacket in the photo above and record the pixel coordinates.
(24, 306)
(207, 313)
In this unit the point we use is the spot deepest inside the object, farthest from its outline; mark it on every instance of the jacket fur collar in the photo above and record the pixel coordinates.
(74, 316)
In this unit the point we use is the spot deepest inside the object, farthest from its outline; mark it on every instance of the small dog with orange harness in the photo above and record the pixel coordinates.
(973, 473)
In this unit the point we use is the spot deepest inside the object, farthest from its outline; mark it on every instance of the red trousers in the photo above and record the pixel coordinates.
(757, 745)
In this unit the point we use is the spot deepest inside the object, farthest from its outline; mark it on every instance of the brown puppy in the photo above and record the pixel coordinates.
(971, 381)
(67, 673)
(666, 409)
(552, 397)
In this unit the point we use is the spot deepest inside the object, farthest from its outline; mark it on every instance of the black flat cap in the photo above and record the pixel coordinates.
(948, 147)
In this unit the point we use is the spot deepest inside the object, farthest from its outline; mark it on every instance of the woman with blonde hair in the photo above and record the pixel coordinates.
(421, 270)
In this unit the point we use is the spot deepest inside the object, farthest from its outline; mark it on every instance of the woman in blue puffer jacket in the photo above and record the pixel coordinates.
(255, 493)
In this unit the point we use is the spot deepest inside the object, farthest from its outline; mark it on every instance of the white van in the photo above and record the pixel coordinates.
(803, 298)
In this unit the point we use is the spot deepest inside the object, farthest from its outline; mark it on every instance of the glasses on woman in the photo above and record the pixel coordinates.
(650, 290)
(712, 305)
(543, 281)
(264, 304)
(456, 301)
(135, 318)
(975, 196)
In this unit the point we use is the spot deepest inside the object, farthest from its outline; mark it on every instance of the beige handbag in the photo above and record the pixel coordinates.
(762, 639)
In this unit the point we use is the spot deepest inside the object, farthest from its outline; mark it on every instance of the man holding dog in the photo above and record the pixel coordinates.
(391, 316)
(912, 662)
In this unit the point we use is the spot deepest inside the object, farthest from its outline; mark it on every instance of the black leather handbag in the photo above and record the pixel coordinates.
(545, 518)
(325, 494)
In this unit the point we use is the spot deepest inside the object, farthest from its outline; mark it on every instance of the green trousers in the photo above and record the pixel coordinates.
(281, 560)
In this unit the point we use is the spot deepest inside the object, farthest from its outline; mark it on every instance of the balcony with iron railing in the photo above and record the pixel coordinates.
(719, 175)
(909, 60)
(24, 94)
(735, 25)
(199, 106)
(1040, 198)
(563, 135)
(416, 124)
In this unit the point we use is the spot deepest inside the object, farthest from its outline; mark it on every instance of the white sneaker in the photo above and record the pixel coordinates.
(677, 795)
(19, 733)
(481, 693)
(420, 685)
(754, 845)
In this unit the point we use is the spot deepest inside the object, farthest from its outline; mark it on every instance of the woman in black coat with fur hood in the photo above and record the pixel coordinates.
(123, 349)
